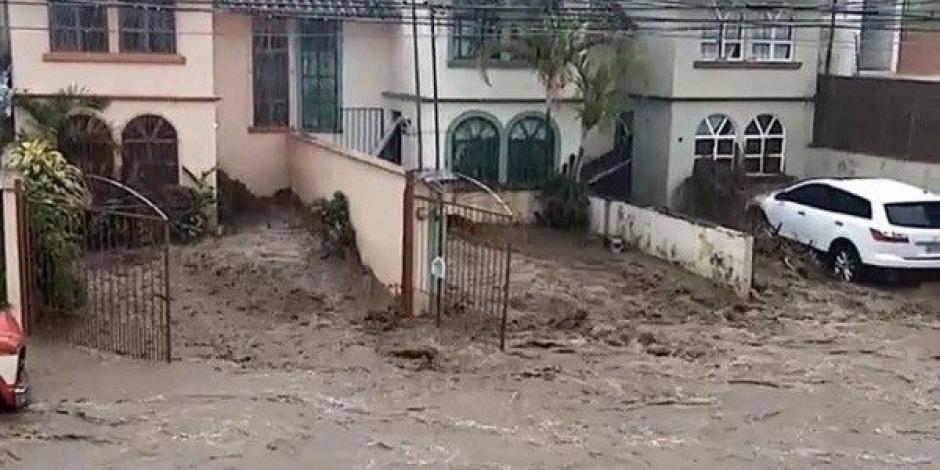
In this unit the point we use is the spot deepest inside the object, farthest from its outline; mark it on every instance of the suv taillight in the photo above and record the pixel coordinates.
(888, 237)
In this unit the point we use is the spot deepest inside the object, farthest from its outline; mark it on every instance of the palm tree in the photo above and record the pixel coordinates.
(49, 115)
(560, 53)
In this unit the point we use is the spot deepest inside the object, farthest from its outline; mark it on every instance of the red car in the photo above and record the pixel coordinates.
(14, 389)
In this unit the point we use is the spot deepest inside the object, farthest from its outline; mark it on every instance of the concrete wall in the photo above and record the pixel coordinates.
(716, 253)
(375, 189)
(822, 162)
(522, 204)
(651, 157)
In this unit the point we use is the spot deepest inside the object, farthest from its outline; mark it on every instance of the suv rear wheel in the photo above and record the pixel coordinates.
(845, 264)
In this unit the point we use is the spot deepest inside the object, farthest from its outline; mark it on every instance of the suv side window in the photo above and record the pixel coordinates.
(812, 195)
(849, 204)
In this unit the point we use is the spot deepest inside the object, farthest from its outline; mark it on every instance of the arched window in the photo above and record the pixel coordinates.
(86, 142)
(714, 139)
(763, 145)
(149, 153)
(531, 151)
(475, 148)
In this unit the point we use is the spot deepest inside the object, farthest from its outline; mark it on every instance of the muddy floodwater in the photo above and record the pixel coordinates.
(284, 360)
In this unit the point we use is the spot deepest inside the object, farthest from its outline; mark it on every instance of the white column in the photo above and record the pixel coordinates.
(11, 244)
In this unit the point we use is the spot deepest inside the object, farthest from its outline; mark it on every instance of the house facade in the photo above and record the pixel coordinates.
(193, 86)
(736, 87)
(153, 64)
(354, 82)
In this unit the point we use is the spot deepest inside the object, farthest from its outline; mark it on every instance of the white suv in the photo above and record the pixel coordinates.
(859, 222)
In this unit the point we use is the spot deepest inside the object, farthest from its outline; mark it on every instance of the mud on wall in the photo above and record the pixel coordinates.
(717, 253)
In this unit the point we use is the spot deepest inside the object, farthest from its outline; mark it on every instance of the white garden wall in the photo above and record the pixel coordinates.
(717, 253)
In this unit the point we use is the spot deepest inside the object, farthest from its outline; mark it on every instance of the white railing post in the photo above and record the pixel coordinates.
(11, 243)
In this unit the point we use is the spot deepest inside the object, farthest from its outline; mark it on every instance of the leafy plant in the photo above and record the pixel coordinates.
(331, 218)
(56, 194)
(564, 203)
(49, 115)
(561, 53)
(188, 207)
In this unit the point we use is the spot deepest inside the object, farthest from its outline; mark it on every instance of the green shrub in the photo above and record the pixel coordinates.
(564, 203)
(331, 219)
(57, 196)
(188, 208)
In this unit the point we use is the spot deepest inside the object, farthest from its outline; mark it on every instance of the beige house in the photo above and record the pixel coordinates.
(194, 86)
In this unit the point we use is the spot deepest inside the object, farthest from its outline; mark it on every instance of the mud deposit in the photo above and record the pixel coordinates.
(287, 361)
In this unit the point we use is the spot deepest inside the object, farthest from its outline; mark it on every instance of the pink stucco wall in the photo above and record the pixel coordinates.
(178, 87)
(258, 159)
(375, 189)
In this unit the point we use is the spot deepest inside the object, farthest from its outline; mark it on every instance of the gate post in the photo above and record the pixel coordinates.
(14, 240)
(407, 244)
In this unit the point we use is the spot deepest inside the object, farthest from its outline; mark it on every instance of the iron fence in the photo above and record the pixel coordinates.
(463, 255)
(102, 280)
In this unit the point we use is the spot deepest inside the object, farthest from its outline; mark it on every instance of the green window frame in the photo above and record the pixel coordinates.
(320, 76)
(475, 148)
(530, 151)
(470, 33)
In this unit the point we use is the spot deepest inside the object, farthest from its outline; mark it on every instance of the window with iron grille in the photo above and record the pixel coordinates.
(481, 23)
(149, 153)
(471, 32)
(320, 75)
(148, 26)
(270, 72)
(77, 27)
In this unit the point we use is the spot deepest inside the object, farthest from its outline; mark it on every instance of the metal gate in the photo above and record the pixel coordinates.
(104, 283)
(461, 255)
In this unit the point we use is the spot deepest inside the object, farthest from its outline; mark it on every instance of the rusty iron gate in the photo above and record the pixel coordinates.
(104, 284)
(461, 256)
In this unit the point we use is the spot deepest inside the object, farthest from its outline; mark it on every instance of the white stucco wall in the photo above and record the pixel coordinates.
(664, 143)
(722, 255)
(651, 157)
(690, 81)
(564, 115)
(823, 162)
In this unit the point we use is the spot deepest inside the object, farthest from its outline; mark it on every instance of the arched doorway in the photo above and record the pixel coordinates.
(149, 153)
(475, 148)
(85, 141)
(531, 151)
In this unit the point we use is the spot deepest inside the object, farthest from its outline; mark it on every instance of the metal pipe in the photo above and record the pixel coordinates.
(414, 34)
(437, 116)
